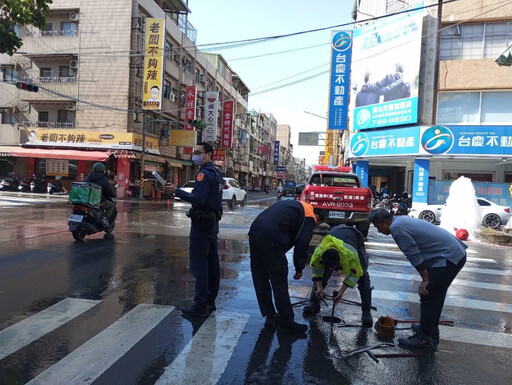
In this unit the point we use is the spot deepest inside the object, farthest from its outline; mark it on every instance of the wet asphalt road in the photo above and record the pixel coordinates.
(146, 262)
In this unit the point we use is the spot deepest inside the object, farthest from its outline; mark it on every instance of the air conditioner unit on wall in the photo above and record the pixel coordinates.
(73, 64)
(172, 98)
(202, 79)
(74, 16)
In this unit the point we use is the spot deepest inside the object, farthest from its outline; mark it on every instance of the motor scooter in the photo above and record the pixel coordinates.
(37, 184)
(55, 188)
(279, 194)
(10, 183)
(24, 185)
(87, 216)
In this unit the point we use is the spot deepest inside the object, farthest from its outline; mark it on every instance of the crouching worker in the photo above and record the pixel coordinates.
(275, 231)
(342, 249)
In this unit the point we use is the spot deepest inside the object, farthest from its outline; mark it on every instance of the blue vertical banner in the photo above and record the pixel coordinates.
(277, 143)
(362, 169)
(420, 181)
(340, 79)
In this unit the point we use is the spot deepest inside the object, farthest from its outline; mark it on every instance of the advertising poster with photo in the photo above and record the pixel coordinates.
(385, 71)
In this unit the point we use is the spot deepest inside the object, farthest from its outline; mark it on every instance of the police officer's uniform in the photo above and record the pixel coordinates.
(206, 211)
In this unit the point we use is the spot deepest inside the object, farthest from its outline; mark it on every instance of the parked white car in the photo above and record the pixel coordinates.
(188, 187)
(233, 193)
(493, 215)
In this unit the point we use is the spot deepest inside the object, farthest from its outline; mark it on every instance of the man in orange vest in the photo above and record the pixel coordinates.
(276, 230)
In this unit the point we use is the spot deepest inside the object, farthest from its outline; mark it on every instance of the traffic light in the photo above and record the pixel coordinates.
(197, 123)
(27, 87)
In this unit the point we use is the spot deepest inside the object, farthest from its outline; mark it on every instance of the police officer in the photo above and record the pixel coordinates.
(206, 211)
(276, 230)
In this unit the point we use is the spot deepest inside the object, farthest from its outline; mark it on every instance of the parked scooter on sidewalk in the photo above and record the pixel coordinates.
(24, 185)
(87, 215)
(10, 183)
(56, 187)
(37, 184)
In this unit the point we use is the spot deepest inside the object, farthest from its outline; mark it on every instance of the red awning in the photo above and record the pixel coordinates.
(44, 153)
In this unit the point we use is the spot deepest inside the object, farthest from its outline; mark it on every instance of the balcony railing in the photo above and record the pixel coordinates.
(42, 124)
(38, 33)
(51, 79)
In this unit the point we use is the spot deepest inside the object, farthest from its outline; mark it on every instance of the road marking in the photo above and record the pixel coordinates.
(384, 261)
(450, 301)
(88, 362)
(387, 252)
(477, 337)
(205, 357)
(460, 282)
(30, 329)
(395, 246)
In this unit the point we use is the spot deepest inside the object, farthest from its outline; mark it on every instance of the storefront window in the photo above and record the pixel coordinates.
(73, 169)
(458, 107)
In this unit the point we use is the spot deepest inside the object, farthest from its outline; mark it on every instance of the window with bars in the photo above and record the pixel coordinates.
(167, 89)
(168, 50)
(475, 41)
(393, 6)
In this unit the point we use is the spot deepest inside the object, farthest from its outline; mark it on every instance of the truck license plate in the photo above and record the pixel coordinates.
(76, 218)
(337, 214)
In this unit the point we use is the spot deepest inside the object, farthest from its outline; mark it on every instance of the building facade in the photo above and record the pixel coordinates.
(449, 116)
(89, 65)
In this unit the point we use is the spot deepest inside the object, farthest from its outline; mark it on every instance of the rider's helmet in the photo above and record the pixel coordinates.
(99, 167)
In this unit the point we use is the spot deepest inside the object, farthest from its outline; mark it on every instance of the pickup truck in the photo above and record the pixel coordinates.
(339, 197)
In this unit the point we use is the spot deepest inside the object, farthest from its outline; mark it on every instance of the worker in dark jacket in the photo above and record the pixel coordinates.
(275, 231)
(206, 212)
(342, 249)
(107, 192)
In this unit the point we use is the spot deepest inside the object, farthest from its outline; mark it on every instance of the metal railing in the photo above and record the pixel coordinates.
(50, 79)
(38, 33)
(42, 124)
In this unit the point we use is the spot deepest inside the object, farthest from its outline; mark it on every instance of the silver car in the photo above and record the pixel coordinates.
(493, 215)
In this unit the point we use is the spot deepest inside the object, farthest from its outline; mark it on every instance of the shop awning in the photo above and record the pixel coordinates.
(43, 153)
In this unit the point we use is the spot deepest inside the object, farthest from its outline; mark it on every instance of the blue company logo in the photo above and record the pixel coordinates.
(341, 41)
(437, 140)
(359, 144)
(363, 118)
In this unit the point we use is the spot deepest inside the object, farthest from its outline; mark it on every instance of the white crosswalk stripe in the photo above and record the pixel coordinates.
(205, 357)
(15, 201)
(461, 282)
(24, 332)
(89, 361)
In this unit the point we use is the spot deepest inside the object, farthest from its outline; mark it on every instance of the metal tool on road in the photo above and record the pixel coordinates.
(353, 303)
(441, 322)
(371, 347)
(343, 324)
(398, 355)
(332, 319)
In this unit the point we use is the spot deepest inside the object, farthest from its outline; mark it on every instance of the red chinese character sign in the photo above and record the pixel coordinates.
(219, 154)
(190, 112)
(227, 124)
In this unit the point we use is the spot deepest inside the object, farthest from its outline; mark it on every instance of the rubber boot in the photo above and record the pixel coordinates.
(366, 307)
(313, 307)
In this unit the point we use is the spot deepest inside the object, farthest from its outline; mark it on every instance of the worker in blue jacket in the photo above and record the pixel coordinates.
(276, 230)
(206, 212)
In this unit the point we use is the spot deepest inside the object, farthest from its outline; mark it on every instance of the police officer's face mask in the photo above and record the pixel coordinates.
(198, 160)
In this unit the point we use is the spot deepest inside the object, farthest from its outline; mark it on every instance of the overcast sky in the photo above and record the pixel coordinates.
(228, 20)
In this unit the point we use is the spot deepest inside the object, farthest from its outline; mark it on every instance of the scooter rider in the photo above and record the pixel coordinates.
(342, 249)
(107, 192)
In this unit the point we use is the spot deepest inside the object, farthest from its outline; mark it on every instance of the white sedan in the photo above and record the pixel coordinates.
(493, 215)
(188, 187)
(232, 194)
